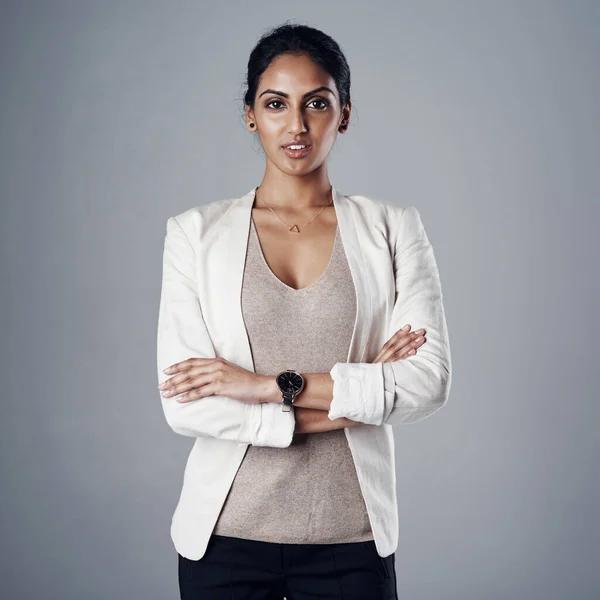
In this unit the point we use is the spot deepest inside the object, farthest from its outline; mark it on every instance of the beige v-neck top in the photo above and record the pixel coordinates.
(308, 492)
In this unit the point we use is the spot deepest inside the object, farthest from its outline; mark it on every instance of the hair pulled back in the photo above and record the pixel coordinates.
(298, 39)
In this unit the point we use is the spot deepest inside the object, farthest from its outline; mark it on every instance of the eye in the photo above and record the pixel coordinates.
(325, 104)
(268, 105)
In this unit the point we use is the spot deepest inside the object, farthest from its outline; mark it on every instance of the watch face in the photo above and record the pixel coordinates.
(290, 382)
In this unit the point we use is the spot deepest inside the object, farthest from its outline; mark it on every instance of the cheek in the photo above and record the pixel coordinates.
(326, 141)
(272, 123)
(271, 134)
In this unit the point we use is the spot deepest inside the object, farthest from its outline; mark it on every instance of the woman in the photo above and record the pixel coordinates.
(273, 307)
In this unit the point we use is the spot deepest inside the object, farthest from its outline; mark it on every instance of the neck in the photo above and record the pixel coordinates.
(295, 193)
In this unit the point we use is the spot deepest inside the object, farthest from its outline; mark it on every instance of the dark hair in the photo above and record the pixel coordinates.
(298, 39)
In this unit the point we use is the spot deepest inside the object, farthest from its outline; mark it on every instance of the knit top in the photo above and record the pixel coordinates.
(307, 493)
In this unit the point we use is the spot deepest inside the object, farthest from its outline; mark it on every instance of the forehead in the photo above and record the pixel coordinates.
(291, 73)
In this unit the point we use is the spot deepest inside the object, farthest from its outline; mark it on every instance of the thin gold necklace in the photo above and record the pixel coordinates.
(294, 228)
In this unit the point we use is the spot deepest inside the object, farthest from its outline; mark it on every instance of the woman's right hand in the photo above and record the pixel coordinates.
(402, 344)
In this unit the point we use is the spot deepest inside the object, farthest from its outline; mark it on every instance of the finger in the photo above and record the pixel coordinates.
(193, 368)
(186, 364)
(388, 345)
(177, 380)
(167, 384)
(200, 391)
(412, 340)
(404, 331)
(408, 350)
(404, 353)
(198, 378)
(400, 338)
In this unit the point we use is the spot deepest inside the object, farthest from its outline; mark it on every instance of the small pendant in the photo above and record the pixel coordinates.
(295, 229)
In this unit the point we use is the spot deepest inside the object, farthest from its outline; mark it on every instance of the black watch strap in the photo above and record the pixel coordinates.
(288, 402)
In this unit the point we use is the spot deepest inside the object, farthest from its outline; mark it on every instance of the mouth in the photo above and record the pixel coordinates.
(297, 150)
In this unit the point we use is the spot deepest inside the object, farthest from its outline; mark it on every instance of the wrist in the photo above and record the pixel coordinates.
(269, 389)
(316, 420)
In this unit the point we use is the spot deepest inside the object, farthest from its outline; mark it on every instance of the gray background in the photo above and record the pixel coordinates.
(484, 115)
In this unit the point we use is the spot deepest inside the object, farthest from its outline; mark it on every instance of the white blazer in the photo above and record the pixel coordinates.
(397, 282)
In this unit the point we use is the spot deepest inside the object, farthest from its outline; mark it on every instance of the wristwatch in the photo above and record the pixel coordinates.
(290, 384)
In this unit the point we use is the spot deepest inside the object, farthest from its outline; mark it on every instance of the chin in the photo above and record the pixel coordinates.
(300, 170)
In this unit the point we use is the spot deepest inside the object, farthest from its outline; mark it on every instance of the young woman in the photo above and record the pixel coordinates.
(273, 311)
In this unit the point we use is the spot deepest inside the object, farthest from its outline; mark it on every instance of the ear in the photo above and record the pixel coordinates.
(249, 116)
(345, 119)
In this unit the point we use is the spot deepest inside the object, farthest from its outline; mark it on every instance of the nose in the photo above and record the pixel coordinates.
(296, 122)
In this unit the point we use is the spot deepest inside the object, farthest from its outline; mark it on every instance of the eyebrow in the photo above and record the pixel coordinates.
(277, 92)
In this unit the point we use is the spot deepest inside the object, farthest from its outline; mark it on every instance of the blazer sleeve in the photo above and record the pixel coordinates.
(182, 333)
(407, 390)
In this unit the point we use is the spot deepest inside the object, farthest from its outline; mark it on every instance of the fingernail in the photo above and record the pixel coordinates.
(405, 328)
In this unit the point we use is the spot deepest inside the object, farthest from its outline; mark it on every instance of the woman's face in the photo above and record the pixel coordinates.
(288, 108)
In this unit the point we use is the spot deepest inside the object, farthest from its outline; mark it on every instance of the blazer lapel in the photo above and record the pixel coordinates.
(351, 237)
(224, 271)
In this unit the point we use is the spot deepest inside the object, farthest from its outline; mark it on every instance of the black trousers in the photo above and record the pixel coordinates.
(240, 569)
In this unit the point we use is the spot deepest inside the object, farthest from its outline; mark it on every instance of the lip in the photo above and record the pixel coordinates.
(297, 153)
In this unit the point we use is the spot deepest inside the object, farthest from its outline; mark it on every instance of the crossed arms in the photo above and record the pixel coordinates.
(400, 391)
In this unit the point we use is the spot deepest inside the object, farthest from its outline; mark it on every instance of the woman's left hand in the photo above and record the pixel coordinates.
(197, 378)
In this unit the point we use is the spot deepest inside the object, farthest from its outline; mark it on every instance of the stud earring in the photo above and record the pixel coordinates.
(251, 125)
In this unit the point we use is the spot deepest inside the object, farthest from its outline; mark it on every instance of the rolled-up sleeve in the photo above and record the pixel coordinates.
(182, 334)
(407, 390)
